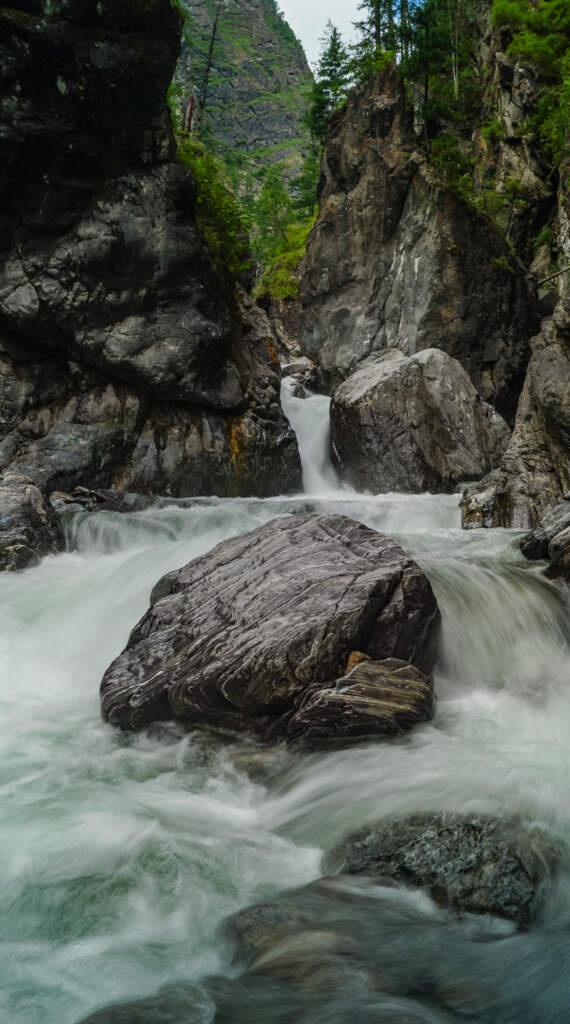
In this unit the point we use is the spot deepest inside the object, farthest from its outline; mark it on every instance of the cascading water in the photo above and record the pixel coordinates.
(121, 854)
(309, 418)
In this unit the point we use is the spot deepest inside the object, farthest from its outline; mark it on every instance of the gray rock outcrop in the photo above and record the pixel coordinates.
(413, 424)
(551, 540)
(128, 359)
(396, 260)
(534, 473)
(236, 639)
(479, 864)
(29, 527)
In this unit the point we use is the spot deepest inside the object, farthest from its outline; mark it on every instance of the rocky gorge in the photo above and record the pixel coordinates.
(127, 360)
(330, 777)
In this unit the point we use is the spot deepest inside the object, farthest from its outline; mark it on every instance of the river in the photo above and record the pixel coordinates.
(121, 854)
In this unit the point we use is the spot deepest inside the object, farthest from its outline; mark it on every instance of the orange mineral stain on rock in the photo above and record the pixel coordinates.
(354, 658)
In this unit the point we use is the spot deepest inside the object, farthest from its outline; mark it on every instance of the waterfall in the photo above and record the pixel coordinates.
(309, 418)
(121, 854)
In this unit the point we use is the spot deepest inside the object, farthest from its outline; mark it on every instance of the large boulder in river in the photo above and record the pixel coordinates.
(413, 424)
(238, 637)
(475, 863)
(29, 527)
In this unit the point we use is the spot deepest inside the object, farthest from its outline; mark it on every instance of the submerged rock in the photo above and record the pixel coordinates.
(551, 539)
(413, 424)
(238, 637)
(182, 1003)
(472, 863)
(29, 527)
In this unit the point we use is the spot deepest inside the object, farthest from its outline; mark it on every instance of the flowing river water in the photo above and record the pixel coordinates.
(121, 854)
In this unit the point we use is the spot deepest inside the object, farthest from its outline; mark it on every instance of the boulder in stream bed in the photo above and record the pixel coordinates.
(238, 638)
(413, 423)
(473, 863)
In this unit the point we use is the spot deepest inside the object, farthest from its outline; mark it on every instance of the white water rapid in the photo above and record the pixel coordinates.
(121, 854)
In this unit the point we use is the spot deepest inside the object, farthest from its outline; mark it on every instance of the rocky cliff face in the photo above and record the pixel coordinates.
(126, 360)
(396, 260)
(402, 259)
(534, 472)
(259, 75)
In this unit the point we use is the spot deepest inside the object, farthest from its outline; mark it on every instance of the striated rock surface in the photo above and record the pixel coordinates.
(474, 863)
(236, 639)
(534, 472)
(127, 359)
(396, 260)
(376, 698)
(551, 540)
(413, 424)
(29, 527)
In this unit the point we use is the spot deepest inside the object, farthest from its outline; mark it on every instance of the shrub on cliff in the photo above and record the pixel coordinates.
(541, 35)
(219, 214)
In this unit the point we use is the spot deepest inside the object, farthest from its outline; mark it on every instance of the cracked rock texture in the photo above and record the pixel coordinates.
(29, 527)
(413, 424)
(534, 473)
(395, 260)
(126, 358)
(237, 638)
(551, 540)
(479, 864)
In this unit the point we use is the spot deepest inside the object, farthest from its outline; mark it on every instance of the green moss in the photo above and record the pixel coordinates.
(281, 279)
(219, 215)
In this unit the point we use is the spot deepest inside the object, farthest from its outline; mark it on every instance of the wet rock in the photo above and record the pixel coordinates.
(376, 698)
(472, 863)
(551, 539)
(534, 472)
(181, 1003)
(29, 527)
(247, 630)
(413, 424)
(102, 500)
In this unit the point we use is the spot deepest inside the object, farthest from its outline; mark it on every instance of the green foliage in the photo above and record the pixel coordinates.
(545, 237)
(218, 213)
(493, 130)
(278, 25)
(331, 83)
(447, 156)
(280, 279)
(541, 35)
(306, 185)
(366, 60)
(273, 213)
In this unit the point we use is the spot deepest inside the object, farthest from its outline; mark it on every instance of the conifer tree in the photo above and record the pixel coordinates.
(331, 82)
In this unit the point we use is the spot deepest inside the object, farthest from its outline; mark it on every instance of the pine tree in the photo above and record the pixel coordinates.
(331, 82)
(273, 212)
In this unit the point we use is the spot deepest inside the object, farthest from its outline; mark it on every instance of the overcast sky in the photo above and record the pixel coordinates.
(308, 18)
